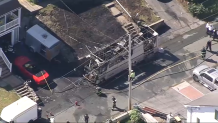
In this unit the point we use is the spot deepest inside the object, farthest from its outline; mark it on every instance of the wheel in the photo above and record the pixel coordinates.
(31, 50)
(195, 77)
(211, 89)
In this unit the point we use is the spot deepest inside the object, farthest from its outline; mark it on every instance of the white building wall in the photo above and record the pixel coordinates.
(205, 114)
(137, 56)
(15, 30)
(15, 36)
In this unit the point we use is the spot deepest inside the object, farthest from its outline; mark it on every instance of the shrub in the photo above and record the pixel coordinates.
(135, 116)
(197, 9)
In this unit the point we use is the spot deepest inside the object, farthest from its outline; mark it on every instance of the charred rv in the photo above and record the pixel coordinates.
(108, 62)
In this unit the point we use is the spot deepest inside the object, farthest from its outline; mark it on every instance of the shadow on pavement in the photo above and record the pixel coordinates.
(211, 60)
(41, 120)
(165, 1)
(103, 95)
(162, 29)
(119, 109)
(159, 62)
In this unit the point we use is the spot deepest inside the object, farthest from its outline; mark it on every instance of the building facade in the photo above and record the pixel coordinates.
(202, 114)
(110, 61)
(10, 20)
(204, 109)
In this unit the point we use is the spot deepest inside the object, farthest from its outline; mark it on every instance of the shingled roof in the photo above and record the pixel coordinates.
(8, 5)
(96, 29)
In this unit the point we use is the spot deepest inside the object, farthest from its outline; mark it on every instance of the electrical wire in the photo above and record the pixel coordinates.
(84, 20)
(116, 40)
(160, 36)
(139, 102)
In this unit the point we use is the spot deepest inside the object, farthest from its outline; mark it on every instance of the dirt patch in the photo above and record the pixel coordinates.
(145, 13)
(94, 28)
(7, 97)
(184, 4)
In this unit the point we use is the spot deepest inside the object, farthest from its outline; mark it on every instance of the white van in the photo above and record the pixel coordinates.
(21, 111)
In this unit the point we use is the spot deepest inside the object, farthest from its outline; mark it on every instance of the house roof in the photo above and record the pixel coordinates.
(94, 28)
(8, 5)
(210, 99)
(37, 32)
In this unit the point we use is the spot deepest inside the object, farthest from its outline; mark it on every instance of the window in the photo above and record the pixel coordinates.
(216, 81)
(198, 120)
(30, 67)
(208, 77)
(216, 115)
(211, 71)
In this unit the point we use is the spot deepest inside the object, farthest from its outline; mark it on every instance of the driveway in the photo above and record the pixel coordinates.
(174, 98)
(177, 19)
(153, 91)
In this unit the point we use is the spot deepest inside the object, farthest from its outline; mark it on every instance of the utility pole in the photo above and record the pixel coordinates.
(130, 68)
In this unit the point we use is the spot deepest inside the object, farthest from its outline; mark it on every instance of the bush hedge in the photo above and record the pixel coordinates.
(203, 9)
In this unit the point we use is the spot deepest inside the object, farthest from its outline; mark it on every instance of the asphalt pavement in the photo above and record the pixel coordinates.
(67, 89)
(99, 108)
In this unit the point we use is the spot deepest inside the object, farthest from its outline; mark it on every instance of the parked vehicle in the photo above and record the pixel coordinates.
(21, 111)
(207, 76)
(40, 41)
(31, 70)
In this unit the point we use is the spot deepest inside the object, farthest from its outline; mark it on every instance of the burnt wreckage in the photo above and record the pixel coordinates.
(113, 59)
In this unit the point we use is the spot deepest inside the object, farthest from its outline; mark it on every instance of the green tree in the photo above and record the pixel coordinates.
(135, 116)
(197, 9)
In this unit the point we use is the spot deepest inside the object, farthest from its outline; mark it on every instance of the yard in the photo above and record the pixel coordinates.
(202, 9)
(145, 13)
(92, 25)
(7, 97)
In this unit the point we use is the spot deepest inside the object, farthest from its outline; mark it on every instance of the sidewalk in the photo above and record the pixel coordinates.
(175, 16)
(171, 100)
(98, 109)
(163, 98)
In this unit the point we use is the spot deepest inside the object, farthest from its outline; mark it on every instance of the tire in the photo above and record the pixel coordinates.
(210, 89)
(31, 50)
(195, 78)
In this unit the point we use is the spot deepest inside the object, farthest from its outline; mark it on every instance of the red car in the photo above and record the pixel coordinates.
(30, 70)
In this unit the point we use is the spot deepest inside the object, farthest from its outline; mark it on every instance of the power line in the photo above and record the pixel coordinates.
(194, 22)
(140, 102)
(163, 43)
(84, 20)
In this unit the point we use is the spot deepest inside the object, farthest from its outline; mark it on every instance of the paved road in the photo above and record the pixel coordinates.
(177, 19)
(66, 90)
(99, 107)
(173, 55)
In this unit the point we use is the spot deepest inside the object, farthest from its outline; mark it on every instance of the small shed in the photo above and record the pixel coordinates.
(42, 42)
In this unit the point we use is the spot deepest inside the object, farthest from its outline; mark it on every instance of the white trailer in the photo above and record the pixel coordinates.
(110, 61)
(42, 42)
(21, 111)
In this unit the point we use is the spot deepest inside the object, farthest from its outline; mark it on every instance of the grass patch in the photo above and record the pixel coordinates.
(141, 7)
(7, 97)
(47, 10)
